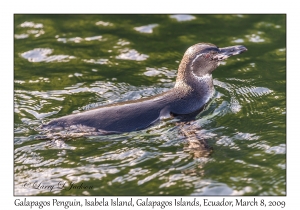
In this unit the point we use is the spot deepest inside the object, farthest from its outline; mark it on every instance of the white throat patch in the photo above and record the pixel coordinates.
(205, 77)
(196, 59)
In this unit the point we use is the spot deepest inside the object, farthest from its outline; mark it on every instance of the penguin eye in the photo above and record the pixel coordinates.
(213, 54)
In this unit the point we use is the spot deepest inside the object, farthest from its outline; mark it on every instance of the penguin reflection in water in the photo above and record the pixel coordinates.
(192, 90)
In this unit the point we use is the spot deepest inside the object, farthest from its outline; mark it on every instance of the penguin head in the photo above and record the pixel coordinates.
(201, 59)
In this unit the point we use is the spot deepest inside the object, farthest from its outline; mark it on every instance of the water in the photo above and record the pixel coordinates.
(64, 64)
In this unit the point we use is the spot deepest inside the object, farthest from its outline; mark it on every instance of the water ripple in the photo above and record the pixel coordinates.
(253, 91)
(32, 25)
(280, 149)
(36, 31)
(151, 72)
(267, 25)
(79, 39)
(257, 37)
(181, 18)
(103, 23)
(98, 61)
(146, 29)
(131, 54)
(42, 55)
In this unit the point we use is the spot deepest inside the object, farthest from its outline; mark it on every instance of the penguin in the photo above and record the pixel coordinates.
(193, 89)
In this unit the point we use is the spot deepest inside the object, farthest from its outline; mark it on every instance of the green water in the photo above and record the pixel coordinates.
(68, 63)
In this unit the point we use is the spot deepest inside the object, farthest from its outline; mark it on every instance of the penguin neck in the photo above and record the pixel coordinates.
(197, 87)
(187, 79)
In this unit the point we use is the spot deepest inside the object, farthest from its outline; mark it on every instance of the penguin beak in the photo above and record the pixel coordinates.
(226, 52)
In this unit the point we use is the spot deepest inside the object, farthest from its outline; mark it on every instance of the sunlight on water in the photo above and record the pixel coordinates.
(131, 54)
(152, 72)
(79, 39)
(41, 55)
(146, 29)
(36, 31)
(103, 23)
(180, 18)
